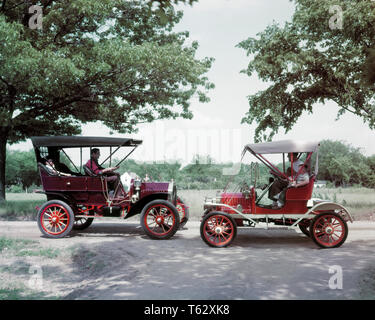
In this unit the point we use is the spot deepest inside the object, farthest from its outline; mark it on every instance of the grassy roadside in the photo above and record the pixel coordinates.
(20, 261)
(21, 206)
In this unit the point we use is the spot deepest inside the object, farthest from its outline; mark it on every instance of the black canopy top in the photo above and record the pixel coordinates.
(81, 142)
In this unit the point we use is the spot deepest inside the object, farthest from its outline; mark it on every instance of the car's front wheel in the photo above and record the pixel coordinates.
(218, 229)
(160, 219)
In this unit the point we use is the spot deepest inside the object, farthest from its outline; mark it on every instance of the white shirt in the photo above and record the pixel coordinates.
(296, 166)
(302, 177)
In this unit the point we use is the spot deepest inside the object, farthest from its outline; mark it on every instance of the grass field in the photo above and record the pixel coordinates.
(19, 257)
(359, 201)
(21, 206)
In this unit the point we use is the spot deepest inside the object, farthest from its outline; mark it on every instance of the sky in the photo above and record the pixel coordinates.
(216, 129)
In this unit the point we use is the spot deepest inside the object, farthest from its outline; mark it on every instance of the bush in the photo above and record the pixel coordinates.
(330, 184)
(15, 189)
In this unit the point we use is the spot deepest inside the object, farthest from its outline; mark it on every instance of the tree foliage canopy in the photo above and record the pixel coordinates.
(306, 61)
(116, 61)
(106, 60)
(344, 164)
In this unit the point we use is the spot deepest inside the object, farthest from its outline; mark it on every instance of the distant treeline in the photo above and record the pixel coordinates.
(339, 164)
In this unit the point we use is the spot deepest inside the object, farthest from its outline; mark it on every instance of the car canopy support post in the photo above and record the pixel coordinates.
(70, 160)
(126, 156)
(80, 166)
(269, 164)
(111, 154)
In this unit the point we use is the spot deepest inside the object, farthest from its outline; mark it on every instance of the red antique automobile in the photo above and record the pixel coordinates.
(323, 221)
(75, 197)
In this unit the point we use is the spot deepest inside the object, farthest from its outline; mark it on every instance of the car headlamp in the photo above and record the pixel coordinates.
(137, 184)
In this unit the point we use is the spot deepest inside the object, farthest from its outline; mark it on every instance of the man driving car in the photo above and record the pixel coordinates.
(280, 184)
(113, 178)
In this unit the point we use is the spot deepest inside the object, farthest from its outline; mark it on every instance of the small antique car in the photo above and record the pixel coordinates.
(75, 197)
(324, 222)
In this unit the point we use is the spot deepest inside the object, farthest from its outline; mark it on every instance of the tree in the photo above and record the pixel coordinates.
(115, 61)
(312, 59)
(341, 163)
(371, 163)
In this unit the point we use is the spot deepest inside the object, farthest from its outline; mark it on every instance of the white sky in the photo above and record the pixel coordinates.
(218, 26)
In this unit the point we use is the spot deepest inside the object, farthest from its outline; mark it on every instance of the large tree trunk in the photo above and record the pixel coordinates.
(3, 145)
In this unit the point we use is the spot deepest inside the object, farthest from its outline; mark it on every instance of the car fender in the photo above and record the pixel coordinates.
(331, 206)
(141, 203)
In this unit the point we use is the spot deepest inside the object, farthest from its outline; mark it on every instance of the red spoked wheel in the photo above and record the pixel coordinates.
(329, 230)
(160, 219)
(55, 219)
(183, 211)
(218, 229)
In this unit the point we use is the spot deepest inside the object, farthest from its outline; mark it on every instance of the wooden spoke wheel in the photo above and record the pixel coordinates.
(55, 219)
(160, 219)
(328, 230)
(218, 229)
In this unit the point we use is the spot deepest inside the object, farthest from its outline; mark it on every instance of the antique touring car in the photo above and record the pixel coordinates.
(75, 197)
(323, 221)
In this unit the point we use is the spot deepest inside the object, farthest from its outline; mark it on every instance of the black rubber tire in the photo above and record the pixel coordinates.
(185, 219)
(314, 237)
(204, 233)
(175, 220)
(68, 212)
(84, 225)
(305, 229)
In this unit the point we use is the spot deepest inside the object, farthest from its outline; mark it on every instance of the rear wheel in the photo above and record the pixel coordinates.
(55, 219)
(160, 219)
(218, 229)
(304, 228)
(329, 230)
(82, 223)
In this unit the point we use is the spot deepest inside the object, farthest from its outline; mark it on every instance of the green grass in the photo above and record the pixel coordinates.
(15, 245)
(359, 201)
(47, 253)
(26, 248)
(25, 197)
(21, 206)
(22, 294)
(10, 248)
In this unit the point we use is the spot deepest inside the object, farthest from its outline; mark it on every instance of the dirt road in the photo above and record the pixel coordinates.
(116, 260)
